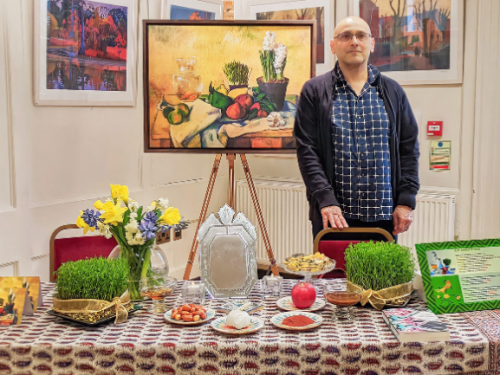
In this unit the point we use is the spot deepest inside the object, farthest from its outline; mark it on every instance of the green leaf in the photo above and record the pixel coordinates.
(139, 214)
(266, 106)
(126, 217)
(260, 96)
(256, 90)
(253, 114)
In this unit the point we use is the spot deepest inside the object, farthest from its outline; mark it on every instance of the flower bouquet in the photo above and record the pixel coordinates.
(134, 227)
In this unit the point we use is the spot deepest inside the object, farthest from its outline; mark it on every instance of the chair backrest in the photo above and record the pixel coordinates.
(75, 248)
(334, 242)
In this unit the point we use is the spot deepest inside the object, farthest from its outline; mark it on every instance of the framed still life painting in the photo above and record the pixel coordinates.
(194, 10)
(322, 11)
(212, 86)
(85, 52)
(416, 41)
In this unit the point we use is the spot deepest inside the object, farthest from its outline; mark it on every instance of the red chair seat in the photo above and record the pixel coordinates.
(75, 248)
(335, 250)
(336, 242)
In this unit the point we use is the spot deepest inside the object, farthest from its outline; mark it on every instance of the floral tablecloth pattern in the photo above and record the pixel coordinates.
(146, 344)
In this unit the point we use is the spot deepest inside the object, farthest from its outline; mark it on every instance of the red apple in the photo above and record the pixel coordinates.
(303, 295)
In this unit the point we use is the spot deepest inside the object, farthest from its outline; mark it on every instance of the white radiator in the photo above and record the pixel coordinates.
(286, 214)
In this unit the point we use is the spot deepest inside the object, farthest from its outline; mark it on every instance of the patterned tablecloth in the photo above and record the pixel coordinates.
(44, 344)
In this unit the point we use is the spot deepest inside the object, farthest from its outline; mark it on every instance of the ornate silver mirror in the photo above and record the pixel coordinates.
(228, 255)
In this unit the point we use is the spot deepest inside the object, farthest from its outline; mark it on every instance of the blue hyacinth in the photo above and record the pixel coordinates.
(91, 218)
(148, 229)
(150, 216)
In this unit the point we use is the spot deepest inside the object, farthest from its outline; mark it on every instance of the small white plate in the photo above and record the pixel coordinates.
(277, 320)
(286, 303)
(219, 325)
(168, 318)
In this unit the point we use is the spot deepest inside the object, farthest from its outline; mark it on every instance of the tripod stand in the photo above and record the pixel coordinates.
(232, 202)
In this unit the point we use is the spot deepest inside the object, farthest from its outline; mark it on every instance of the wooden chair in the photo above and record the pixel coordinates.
(334, 242)
(75, 248)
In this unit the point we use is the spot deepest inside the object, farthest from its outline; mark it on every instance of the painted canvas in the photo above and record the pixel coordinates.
(211, 86)
(182, 13)
(409, 35)
(86, 45)
(11, 305)
(317, 14)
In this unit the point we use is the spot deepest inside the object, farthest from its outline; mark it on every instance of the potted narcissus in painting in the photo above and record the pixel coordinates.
(211, 85)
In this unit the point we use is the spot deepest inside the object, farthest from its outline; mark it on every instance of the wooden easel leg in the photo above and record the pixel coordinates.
(232, 187)
(203, 214)
(260, 218)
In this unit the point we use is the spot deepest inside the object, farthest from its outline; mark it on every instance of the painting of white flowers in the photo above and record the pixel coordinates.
(211, 85)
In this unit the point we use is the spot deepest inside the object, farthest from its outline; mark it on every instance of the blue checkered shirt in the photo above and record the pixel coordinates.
(361, 151)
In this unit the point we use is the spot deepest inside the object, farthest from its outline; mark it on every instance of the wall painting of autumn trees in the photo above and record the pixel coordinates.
(85, 46)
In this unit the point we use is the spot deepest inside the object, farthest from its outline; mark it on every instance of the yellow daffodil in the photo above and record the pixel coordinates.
(82, 224)
(171, 216)
(113, 214)
(98, 205)
(119, 192)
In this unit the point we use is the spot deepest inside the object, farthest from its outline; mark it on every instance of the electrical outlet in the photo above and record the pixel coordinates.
(163, 237)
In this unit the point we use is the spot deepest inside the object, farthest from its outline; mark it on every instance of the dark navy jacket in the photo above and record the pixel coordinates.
(313, 131)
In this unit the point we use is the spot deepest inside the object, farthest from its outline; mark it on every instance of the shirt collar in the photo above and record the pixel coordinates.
(373, 73)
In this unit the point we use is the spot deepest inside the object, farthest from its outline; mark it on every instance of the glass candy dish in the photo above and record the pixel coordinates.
(308, 272)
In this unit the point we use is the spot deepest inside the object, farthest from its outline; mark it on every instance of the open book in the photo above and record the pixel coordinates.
(416, 326)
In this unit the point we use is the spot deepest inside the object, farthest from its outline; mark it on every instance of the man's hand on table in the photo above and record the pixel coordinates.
(402, 218)
(333, 215)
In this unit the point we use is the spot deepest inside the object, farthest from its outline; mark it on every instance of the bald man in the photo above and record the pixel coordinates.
(357, 143)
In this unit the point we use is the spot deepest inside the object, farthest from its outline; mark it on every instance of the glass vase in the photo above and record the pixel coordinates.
(142, 262)
(188, 84)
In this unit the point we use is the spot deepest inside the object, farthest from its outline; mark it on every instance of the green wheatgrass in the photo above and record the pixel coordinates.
(378, 265)
(237, 73)
(94, 278)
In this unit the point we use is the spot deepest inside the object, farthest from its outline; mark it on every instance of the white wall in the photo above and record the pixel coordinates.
(55, 161)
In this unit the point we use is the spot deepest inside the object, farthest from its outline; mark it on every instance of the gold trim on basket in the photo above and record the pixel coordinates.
(93, 310)
(395, 295)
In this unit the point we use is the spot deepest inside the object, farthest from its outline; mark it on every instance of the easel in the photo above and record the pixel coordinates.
(232, 202)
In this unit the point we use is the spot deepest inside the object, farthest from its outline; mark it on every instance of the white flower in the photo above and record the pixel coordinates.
(130, 238)
(133, 206)
(269, 41)
(163, 203)
(134, 239)
(148, 209)
(132, 226)
(133, 215)
(104, 230)
(138, 239)
(279, 57)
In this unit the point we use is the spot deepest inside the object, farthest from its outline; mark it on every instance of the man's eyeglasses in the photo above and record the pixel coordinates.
(347, 37)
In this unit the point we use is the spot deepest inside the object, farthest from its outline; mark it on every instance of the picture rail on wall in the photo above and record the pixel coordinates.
(224, 86)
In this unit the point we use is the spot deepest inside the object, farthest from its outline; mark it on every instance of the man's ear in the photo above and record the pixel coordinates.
(372, 49)
(332, 45)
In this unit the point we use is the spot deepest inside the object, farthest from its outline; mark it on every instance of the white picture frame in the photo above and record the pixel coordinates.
(252, 7)
(437, 76)
(214, 6)
(70, 97)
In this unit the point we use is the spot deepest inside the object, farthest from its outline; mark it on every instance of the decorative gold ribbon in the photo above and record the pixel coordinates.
(93, 307)
(395, 295)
